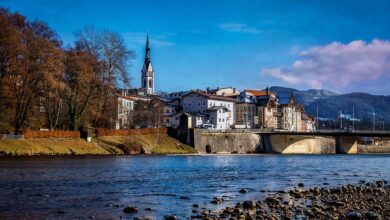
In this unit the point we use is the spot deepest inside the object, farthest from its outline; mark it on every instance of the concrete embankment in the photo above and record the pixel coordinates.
(373, 149)
(247, 142)
(226, 142)
(206, 141)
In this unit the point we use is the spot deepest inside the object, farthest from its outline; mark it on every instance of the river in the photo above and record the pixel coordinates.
(100, 187)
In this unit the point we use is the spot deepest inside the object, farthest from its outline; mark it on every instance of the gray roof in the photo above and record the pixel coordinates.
(215, 108)
(284, 97)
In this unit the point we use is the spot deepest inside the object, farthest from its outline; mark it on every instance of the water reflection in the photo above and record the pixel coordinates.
(102, 186)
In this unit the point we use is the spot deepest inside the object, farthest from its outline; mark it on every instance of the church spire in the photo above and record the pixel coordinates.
(147, 73)
(147, 49)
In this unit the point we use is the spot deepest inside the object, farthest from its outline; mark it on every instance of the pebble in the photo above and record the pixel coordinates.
(243, 190)
(353, 215)
(170, 217)
(130, 210)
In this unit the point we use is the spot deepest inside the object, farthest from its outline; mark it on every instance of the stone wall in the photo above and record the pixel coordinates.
(373, 149)
(226, 142)
(246, 142)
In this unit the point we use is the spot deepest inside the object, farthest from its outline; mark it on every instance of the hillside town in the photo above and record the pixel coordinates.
(210, 108)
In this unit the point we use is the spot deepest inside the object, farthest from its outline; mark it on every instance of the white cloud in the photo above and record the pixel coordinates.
(238, 27)
(337, 64)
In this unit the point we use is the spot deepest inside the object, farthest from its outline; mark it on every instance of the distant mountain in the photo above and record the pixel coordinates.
(307, 97)
(330, 103)
(364, 105)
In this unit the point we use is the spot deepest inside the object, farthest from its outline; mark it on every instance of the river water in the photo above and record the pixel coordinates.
(82, 187)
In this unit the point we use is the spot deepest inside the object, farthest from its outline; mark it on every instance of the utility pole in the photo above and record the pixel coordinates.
(373, 118)
(317, 118)
(353, 118)
(383, 125)
(341, 119)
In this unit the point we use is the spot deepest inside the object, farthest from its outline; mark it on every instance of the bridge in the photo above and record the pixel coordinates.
(355, 133)
(346, 142)
(284, 142)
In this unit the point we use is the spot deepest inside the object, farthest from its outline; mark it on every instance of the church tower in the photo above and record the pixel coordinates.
(147, 78)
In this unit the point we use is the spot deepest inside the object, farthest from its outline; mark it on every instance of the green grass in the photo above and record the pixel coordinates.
(50, 146)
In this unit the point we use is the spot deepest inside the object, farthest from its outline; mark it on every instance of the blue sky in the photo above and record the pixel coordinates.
(245, 44)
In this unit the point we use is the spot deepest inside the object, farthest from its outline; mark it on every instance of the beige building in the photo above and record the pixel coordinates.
(247, 115)
(291, 113)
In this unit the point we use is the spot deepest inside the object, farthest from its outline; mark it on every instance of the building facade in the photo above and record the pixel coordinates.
(291, 112)
(125, 107)
(218, 110)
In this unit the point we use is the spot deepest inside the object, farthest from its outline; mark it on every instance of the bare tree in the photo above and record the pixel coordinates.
(109, 48)
(82, 85)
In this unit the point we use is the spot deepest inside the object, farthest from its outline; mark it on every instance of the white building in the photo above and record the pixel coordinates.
(125, 107)
(227, 91)
(219, 110)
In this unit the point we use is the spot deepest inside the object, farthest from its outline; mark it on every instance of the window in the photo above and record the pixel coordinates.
(168, 120)
(198, 103)
(167, 110)
(219, 120)
(223, 120)
(204, 103)
(176, 118)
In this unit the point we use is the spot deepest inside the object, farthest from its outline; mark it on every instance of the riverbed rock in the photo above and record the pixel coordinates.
(217, 200)
(130, 210)
(243, 190)
(170, 217)
(372, 216)
(249, 204)
(353, 215)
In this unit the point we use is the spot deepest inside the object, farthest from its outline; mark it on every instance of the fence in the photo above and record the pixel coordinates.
(114, 132)
(31, 134)
(12, 137)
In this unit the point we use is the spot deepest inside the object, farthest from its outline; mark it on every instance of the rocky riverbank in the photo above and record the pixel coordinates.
(361, 201)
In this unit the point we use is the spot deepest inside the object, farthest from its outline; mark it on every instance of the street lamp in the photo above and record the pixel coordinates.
(383, 125)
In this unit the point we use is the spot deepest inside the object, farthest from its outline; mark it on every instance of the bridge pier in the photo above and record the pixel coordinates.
(346, 144)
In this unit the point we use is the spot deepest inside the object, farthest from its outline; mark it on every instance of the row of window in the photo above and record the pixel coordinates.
(203, 103)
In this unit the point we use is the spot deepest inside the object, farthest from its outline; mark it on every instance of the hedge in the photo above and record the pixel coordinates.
(31, 134)
(114, 132)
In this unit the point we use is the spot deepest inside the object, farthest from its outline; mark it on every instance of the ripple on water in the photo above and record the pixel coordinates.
(102, 186)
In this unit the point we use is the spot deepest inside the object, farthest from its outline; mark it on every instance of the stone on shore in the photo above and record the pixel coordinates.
(130, 210)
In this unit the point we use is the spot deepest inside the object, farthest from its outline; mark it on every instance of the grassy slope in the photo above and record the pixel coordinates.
(51, 147)
(105, 145)
(165, 144)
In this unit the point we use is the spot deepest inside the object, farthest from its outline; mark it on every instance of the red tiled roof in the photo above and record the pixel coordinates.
(258, 92)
